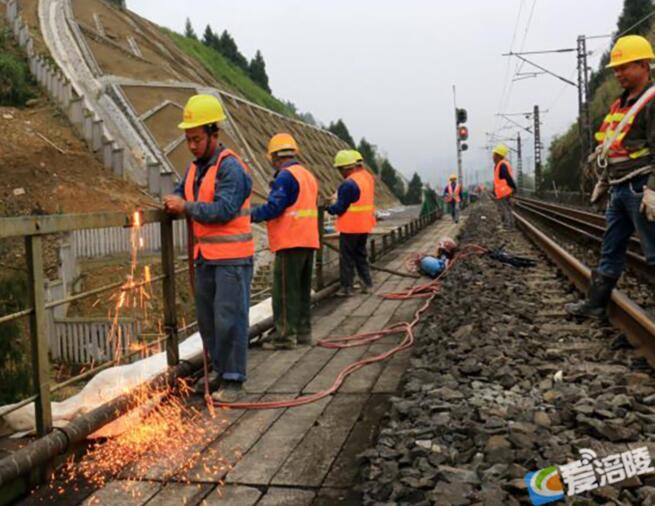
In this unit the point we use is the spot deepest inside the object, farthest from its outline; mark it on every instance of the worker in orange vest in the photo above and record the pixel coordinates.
(215, 194)
(291, 214)
(453, 195)
(355, 211)
(504, 185)
(623, 161)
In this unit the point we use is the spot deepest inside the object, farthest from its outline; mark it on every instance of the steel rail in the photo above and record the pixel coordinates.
(596, 223)
(637, 323)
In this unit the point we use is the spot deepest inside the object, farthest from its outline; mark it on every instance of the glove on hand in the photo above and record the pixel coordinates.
(648, 204)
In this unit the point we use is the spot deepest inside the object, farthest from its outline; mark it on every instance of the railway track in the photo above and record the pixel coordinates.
(637, 323)
(579, 224)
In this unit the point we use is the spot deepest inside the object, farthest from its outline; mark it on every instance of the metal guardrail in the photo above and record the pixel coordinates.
(34, 228)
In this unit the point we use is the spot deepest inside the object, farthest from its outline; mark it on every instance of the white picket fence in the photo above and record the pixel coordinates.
(99, 242)
(84, 340)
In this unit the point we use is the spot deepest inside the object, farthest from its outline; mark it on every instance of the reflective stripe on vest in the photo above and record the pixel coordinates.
(219, 241)
(359, 218)
(457, 194)
(297, 226)
(608, 128)
(501, 188)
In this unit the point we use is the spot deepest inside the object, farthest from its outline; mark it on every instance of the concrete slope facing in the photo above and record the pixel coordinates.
(133, 81)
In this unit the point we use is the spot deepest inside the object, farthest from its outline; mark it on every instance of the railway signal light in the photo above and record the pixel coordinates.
(464, 146)
(462, 116)
(462, 133)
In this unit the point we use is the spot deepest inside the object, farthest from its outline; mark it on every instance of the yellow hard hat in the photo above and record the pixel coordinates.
(501, 150)
(282, 142)
(345, 158)
(358, 156)
(630, 48)
(453, 176)
(201, 110)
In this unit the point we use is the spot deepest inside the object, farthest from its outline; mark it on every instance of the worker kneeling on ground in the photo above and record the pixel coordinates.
(355, 210)
(215, 195)
(624, 162)
(504, 185)
(453, 195)
(292, 215)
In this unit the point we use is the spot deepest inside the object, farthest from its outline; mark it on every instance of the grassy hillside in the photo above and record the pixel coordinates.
(227, 72)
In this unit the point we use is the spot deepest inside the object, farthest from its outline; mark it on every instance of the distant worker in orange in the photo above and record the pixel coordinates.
(504, 185)
(291, 213)
(355, 211)
(452, 193)
(624, 163)
(215, 194)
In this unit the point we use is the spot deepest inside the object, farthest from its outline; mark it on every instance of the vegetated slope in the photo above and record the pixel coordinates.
(563, 166)
(45, 167)
(224, 70)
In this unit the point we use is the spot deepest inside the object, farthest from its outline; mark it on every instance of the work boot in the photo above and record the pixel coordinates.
(344, 292)
(279, 343)
(230, 391)
(598, 296)
(305, 339)
(213, 379)
(365, 289)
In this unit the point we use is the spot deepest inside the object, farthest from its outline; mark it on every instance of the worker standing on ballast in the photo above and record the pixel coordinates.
(291, 213)
(452, 193)
(624, 162)
(504, 185)
(215, 194)
(355, 211)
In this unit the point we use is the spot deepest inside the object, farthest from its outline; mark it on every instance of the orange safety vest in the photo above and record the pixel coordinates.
(617, 151)
(501, 188)
(456, 194)
(359, 218)
(219, 241)
(297, 226)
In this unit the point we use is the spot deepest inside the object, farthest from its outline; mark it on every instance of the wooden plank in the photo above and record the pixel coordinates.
(237, 440)
(261, 463)
(232, 495)
(180, 493)
(120, 493)
(277, 364)
(303, 371)
(346, 467)
(365, 378)
(334, 496)
(329, 373)
(180, 457)
(391, 375)
(287, 497)
(310, 462)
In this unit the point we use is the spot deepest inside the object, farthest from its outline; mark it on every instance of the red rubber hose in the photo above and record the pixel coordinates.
(427, 291)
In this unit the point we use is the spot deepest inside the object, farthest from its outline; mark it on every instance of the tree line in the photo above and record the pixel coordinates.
(227, 46)
(407, 194)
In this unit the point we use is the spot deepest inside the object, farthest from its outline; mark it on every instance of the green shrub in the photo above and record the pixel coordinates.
(15, 371)
(14, 86)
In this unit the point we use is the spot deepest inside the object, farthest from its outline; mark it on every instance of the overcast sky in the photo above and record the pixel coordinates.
(387, 67)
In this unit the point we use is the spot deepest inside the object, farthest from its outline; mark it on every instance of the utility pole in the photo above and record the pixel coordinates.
(537, 151)
(519, 161)
(583, 98)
